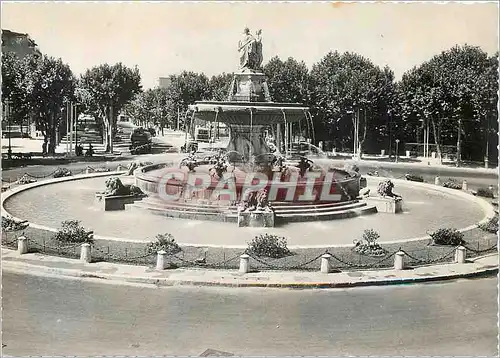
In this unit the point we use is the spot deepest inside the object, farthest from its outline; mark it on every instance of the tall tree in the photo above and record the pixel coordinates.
(185, 89)
(288, 80)
(219, 86)
(348, 86)
(14, 87)
(109, 89)
(50, 85)
(150, 108)
(447, 93)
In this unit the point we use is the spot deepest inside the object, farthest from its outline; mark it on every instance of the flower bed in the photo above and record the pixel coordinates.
(344, 258)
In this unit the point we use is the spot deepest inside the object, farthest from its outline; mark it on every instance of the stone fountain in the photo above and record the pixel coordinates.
(221, 189)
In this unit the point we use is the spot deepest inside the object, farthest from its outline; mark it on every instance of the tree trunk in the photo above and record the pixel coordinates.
(362, 141)
(459, 143)
(436, 140)
(105, 136)
(45, 142)
(111, 128)
(52, 136)
(486, 153)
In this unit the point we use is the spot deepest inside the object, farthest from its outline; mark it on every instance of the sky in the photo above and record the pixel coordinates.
(164, 38)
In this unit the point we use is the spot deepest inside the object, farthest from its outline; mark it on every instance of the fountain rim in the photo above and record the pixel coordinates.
(213, 106)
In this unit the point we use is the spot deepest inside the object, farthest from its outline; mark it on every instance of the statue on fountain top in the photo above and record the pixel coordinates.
(250, 49)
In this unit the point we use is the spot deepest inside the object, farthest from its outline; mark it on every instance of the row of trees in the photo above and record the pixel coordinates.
(167, 107)
(37, 87)
(40, 88)
(454, 94)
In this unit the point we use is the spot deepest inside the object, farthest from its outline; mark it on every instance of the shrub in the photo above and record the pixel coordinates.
(385, 188)
(413, 177)
(266, 245)
(485, 192)
(371, 236)
(368, 244)
(452, 184)
(9, 224)
(61, 172)
(164, 242)
(490, 226)
(73, 232)
(447, 236)
(26, 179)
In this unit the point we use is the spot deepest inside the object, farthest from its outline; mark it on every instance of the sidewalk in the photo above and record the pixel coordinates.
(37, 264)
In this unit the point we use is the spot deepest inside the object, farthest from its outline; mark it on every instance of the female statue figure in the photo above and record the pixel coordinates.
(258, 50)
(246, 47)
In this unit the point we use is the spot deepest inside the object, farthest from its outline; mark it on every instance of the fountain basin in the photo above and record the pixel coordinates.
(265, 113)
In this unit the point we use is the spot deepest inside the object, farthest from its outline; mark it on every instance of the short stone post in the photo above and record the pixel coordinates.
(399, 261)
(460, 255)
(22, 245)
(244, 263)
(464, 185)
(437, 181)
(325, 263)
(88, 170)
(85, 255)
(161, 260)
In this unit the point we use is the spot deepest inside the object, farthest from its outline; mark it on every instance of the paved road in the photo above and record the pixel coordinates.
(46, 316)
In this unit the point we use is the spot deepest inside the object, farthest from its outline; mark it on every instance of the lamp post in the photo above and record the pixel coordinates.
(397, 151)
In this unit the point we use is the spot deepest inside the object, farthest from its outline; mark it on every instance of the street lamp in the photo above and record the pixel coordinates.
(397, 152)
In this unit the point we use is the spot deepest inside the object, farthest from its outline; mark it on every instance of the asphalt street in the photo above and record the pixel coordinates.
(47, 316)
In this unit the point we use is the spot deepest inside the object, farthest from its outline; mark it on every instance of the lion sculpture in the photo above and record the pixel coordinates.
(115, 187)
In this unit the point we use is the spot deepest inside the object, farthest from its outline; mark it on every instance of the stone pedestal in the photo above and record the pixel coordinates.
(244, 263)
(249, 87)
(85, 254)
(257, 218)
(111, 203)
(464, 185)
(161, 260)
(399, 261)
(386, 204)
(22, 245)
(460, 255)
(325, 263)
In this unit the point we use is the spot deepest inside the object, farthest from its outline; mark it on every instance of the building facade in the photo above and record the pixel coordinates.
(19, 43)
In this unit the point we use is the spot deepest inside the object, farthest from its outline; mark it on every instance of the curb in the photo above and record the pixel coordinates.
(166, 282)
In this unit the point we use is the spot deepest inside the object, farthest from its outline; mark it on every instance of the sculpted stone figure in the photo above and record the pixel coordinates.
(250, 49)
(258, 49)
(246, 48)
(262, 199)
(115, 187)
(254, 200)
